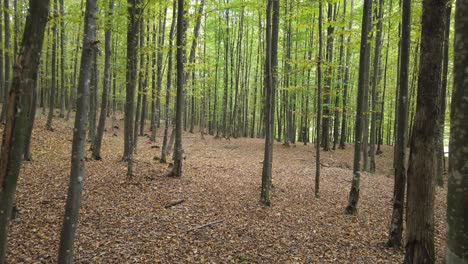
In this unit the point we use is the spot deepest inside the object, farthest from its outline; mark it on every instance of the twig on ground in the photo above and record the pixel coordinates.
(205, 225)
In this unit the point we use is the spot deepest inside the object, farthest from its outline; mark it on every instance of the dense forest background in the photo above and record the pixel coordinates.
(160, 79)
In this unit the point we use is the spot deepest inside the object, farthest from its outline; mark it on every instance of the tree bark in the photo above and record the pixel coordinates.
(106, 85)
(457, 195)
(319, 104)
(346, 84)
(62, 60)
(375, 84)
(132, 60)
(362, 83)
(6, 50)
(271, 65)
(164, 148)
(77, 174)
(14, 133)
(422, 163)
(180, 59)
(443, 100)
(53, 87)
(396, 225)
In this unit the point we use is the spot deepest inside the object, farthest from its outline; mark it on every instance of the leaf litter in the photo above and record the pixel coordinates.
(126, 220)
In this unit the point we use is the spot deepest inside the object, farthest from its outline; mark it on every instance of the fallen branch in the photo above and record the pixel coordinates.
(174, 204)
(205, 225)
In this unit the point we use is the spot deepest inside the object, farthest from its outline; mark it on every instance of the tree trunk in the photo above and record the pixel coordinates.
(77, 174)
(53, 87)
(457, 196)
(319, 104)
(180, 59)
(92, 114)
(271, 65)
(226, 74)
(156, 117)
(62, 61)
(6, 50)
(396, 225)
(346, 84)
(14, 133)
(164, 148)
(443, 100)
(362, 83)
(328, 86)
(422, 163)
(106, 85)
(375, 84)
(132, 60)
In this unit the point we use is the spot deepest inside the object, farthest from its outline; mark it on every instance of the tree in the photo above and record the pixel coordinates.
(345, 84)
(443, 99)
(422, 161)
(77, 174)
(164, 149)
(364, 61)
(457, 195)
(375, 83)
(14, 133)
(319, 105)
(396, 225)
(53, 87)
(180, 58)
(329, 81)
(6, 49)
(271, 65)
(132, 60)
(106, 85)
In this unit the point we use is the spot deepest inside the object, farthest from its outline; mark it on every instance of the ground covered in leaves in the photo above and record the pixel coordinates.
(124, 220)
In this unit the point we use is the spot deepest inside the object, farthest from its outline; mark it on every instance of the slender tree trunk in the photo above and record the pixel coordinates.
(443, 100)
(382, 109)
(31, 118)
(256, 83)
(422, 163)
(362, 84)
(159, 77)
(328, 86)
(141, 82)
(132, 60)
(344, 120)
(319, 104)
(271, 65)
(226, 73)
(106, 85)
(92, 114)
(375, 84)
(14, 133)
(164, 148)
(396, 225)
(180, 43)
(77, 174)
(457, 216)
(72, 103)
(6, 50)
(62, 60)
(144, 97)
(53, 87)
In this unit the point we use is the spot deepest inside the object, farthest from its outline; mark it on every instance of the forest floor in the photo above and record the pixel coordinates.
(124, 220)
